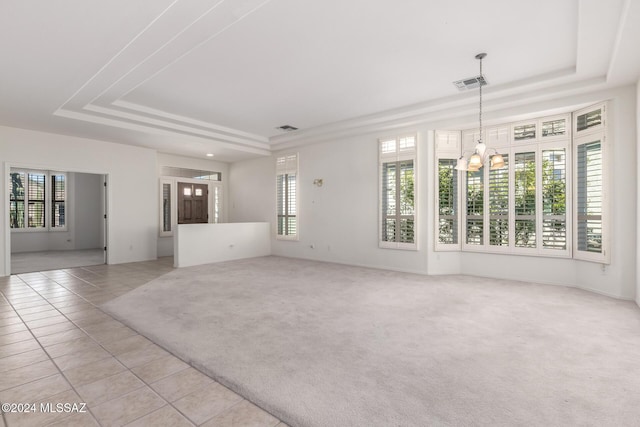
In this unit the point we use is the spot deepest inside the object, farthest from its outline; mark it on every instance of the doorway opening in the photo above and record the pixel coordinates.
(57, 219)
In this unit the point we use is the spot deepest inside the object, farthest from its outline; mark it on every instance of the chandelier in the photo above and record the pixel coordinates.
(481, 153)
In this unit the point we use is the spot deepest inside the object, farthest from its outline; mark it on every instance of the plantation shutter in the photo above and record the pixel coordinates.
(286, 194)
(525, 200)
(397, 192)
(475, 208)
(589, 200)
(17, 199)
(447, 201)
(590, 218)
(36, 200)
(554, 199)
(58, 201)
(499, 205)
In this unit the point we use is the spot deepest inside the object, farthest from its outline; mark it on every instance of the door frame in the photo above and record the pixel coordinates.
(173, 181)
(5, 205)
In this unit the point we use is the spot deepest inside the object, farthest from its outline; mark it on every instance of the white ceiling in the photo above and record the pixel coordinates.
(198, 76)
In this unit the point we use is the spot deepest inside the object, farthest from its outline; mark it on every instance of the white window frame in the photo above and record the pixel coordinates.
(48, 201)
(591, 134)
(398, 155)
(288, 164)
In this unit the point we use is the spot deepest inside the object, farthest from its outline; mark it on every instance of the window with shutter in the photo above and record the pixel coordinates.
(35, 205)
(286, 196)
(554, 199)
(525, 199)
(550, 198)
(589, 200)
(475, 208)
(499, 205)
(397, 192)
(37, 200)
(58, 202)
(447, 202)
(590, 234)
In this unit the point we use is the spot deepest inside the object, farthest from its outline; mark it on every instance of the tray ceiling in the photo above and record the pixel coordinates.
(199, 76)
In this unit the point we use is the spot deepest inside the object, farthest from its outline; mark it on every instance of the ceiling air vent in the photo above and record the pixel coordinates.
(287, 128)
(470, 83)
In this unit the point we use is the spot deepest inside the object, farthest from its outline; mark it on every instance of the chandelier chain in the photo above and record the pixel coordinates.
(481, 81)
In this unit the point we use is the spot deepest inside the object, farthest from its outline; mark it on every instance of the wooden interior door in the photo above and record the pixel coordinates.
(193, 207)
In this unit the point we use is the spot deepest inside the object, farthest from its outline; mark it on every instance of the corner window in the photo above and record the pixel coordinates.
(397, 192)
(549, 199)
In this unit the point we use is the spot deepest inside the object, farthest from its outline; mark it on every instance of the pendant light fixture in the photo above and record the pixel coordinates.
(481, 154)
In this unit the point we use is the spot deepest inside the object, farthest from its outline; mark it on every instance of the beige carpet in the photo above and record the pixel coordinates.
(321, 344)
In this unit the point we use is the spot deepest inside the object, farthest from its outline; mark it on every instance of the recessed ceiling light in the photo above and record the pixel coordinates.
(209, 154)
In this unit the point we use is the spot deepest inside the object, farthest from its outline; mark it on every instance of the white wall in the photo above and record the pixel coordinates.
(638, 189)
(132, 190)
(197, 244)
(165, 244)
(84, 217)
(340, 219)
(88, 211)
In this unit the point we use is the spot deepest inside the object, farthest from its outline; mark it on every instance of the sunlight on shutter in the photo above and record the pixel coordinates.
(447, 201)
(554, 198)
(589, 197)
(525, 200)
(475, 207)
(499, 205)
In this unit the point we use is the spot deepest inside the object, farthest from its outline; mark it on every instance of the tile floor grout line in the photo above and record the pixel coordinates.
(45, 351)
(94, 306)
(52, 360)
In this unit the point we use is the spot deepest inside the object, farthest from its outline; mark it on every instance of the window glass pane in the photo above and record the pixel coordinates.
(216, 204)
(589, 197)
(191, 173)
(524, 132)
(388, 146)
(286, 204)
(281, 202)
(554, 127)
(475, 207)
(406, 204)
(525, 200)
(554, 199)
(499, 205)
(389, 187)
(398, 202)
(447, 202)
(166, 207)
(17, 183)
(590, 119)
(199, 192)
(407, 143)
(187, 191)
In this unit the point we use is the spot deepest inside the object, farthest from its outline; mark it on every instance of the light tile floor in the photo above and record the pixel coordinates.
(57, 347)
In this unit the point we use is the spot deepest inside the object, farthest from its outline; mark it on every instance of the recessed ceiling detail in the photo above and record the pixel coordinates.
(202, 76)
